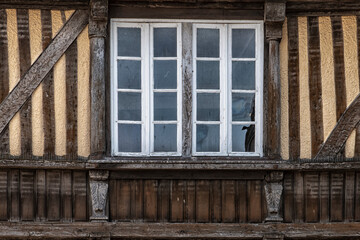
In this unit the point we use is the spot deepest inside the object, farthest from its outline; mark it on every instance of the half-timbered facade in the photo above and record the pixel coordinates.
(179, 119)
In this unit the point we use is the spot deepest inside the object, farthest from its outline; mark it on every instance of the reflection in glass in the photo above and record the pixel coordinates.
(129, 42)
(207, 75)
(129, 106)
(208, 107)
(243, 43)
(129, 74)
(243, 138)
(207, 138)
(165, 107)
(165, 42)
(207, 44)
(243, 75)
(165, 138)
(243, 106)
(129, 136)
(165, 74)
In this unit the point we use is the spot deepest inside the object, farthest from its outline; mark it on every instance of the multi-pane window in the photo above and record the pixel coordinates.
(227, 65)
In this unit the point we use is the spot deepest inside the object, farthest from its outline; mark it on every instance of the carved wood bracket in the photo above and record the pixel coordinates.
(273, 194)
(274, 17)
(99, 194)
(98, 18)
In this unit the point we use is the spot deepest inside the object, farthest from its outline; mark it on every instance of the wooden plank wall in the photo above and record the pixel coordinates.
(320, 78)
(55, 122)
(43, 195)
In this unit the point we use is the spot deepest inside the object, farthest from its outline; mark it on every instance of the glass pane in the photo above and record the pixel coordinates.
(165, 42)
(129, 74)
(165, 108)
(208, 107)
(207, 75)
(243, 43)
(129, 106)
(165, 74)
(243, 106)
(129, 42)
(243, 75)
(207, 138)
(243, 138)
(129, 136)
(165, 138)
(207, 42)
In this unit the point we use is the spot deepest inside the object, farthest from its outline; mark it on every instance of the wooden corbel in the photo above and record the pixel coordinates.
(99, 194)
(273, 194)
(274, 18)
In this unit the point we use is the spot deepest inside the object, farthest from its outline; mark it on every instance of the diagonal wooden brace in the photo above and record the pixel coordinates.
(41, 67)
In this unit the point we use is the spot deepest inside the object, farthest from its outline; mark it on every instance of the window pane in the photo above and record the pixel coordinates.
(129, 74)
(207, 138)
(165, 42)
(207, 42)
(165, 74)
(243, 138)
(208, 107)
(207, 75)
(129, 106)
(129, 42)
(243, 75)
(165, 138)
(243, 43)
(129, 137)
(243, 106)
(165, 108)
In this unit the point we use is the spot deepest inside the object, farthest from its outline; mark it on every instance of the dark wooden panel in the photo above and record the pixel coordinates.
(164, 200)
(80, 207)
(317, 135)
(53, 184)
(298, 197)
(324, 197)
(137, 198)
(311, 192)
(25, 63)
(288, 197)
(3, 195)
(177, 200)
(216, 201)
(357, 197)
(39, 4)
(190, 201)
(242, 202)
(123, 193)
(293, 79)
(113, 200)
(15, 195)
(66, 196)
(337, 197)
(150, 200)
(254, 201)
(357, 141)
(202, 201)
(41, 195)
(228, 201)
(27, 195)
(349, 196)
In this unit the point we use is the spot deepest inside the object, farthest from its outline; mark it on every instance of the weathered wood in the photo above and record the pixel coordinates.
(324, 197)
(80, 196)
(190, 201)
(273, 188)
(123, 192)
(177, 200)
(41, 195)
(137, 198)
(44, 4)
(66, 196)
(298, 197)
(150, 200)
(357, 197)
(288, 197)
(357, 139)
(14, 199)
(112, 200)
(27, 196)
(337, 197)
(349, 196)
(242, 202)
(99, 189)
(311, 195)
(228, 201)
(53, 187)
(164, 200)
(202, 201)
(254, 193)
(216, 203)
(4, 196)
(29, 82)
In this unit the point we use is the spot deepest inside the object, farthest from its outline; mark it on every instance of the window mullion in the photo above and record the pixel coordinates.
(146, 104)
(223, 89)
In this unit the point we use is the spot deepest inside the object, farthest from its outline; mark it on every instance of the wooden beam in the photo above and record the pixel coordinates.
(341, 132)
(41, 67)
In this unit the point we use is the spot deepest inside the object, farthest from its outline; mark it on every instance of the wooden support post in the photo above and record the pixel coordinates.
(99, 186)
(274, 18)
(273, 194)
(97, 35)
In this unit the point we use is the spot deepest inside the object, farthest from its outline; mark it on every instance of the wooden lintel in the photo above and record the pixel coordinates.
(41, 67)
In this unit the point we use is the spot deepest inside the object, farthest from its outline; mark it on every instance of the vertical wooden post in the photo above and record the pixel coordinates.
(97, 35)
(274, 18)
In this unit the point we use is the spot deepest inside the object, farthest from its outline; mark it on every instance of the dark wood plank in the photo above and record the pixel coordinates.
(4, 76)
(80, 206)
(254, 201)
(317, 135)
(177, 200)
(48, 89)
(25, 63)
(41, 195)
(324, 197)
(349, 196)
(242, 201)
(228, 201)
(113, 200)
(15, 195)
(123, 193)
(216, 201)
(53, 185)
(27, 195)
(40, 4)
(298, 197)
(311, 191)
(357, 197)
(66, 196)
(202, 201)
(357, 139)
(137, 199)
(288, 197)
(29, 82)
(190, 201)
(71, 101)
(337, 197)
(164, 200)
(150, 200)
(293, 79)
(3, 196)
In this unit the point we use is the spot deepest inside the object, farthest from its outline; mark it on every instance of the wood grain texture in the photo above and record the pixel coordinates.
(336, 197)
(317, 133)
(4, 196)
(349, 192)
(41, 67)
(288, 197)
(311, 197)
(324, 197)
(80, 196)
(357, 139)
